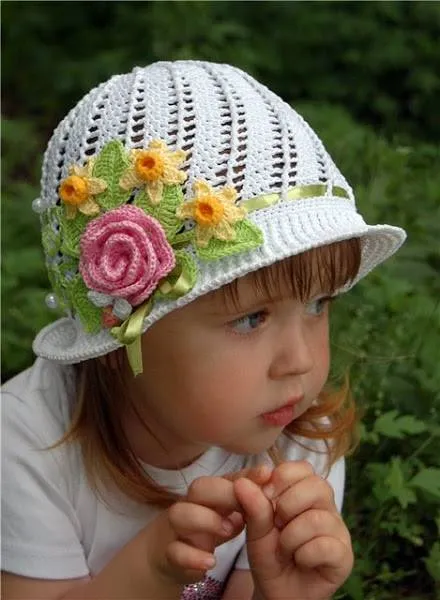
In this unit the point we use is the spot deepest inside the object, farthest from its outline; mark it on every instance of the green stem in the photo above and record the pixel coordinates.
(418, 450)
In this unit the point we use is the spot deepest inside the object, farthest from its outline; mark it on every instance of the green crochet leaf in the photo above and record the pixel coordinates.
(59, 283)
(68, 268)
(165, 211)
(248, 237)
(141, 201)
(89, 314)
(50, 236)
(56, 285)
(185, 267)
(110, 164)
(51, 273)
(71, 232)
(51, 240)
(183, 239)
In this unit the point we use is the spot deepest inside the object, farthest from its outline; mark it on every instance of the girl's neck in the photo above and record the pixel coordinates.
(159, 449)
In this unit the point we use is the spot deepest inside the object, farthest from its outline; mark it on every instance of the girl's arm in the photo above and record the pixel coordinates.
(125, 577)
(17, 587)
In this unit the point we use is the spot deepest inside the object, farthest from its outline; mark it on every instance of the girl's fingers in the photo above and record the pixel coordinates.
(195, 562)
(208, 541)
(259, 474)
(214, 492)
(330, 556)
(309, 493)
(218, 492)
(310, 525)
(187, 518)
(257, 508)
(286, 475)
(237, 520)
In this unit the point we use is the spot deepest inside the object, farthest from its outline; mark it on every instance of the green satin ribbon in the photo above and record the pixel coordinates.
(296, 193)
(129, 333)
(180, 287)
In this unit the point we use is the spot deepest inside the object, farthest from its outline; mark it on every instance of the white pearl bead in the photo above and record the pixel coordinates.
(51, 301)
(38, 205)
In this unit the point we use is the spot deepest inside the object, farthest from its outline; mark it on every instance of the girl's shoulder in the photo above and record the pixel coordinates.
(39, 400)
(41, 523)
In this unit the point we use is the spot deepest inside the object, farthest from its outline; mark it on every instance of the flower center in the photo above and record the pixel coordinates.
(74, 190)
(149, 166)
(209, 211)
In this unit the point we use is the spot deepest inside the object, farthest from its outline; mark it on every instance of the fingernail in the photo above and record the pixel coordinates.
(208, 563)
(269, 491)
(227, 527)
(263, 471)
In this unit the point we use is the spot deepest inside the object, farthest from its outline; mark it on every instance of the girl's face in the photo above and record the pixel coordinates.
(211, 372)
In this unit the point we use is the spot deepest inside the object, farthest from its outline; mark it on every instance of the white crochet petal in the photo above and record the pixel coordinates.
(122, 308)
(98, 299)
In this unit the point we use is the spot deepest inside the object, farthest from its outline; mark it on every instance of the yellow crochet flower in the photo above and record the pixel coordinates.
(76, 191)
(214, 212)
(153, 168)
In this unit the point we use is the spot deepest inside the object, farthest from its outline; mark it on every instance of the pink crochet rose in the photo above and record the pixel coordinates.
(125, 253)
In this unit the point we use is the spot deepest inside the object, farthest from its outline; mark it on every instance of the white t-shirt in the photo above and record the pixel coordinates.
(53, 524)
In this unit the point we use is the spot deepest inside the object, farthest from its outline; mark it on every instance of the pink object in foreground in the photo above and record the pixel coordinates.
(125, 253)
(207, 589)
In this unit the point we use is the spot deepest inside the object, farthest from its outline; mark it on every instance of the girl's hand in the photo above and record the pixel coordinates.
(191, 529)
(298, 545)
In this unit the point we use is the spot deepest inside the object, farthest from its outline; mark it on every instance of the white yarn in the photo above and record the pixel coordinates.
(236, 132)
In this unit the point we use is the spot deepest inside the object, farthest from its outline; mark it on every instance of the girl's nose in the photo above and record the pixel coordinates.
(293, 355)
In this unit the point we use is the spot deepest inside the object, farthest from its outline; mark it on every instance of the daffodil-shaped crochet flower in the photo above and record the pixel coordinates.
(153, 168)
(77, 191)
(214, 212)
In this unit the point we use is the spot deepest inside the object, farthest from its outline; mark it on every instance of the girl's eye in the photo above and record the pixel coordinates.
(318, 306)
(249, 322)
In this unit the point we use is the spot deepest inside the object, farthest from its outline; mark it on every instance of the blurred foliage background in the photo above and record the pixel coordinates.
(366, 75)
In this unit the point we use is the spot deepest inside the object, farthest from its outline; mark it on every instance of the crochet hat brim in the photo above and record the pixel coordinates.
(297, 230)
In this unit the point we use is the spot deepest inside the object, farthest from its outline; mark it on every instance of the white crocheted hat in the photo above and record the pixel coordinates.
(170, 181)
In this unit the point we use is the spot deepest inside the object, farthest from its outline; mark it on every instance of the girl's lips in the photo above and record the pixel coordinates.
(281, 416)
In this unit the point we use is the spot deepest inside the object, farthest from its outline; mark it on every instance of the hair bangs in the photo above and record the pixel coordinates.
(325, 270)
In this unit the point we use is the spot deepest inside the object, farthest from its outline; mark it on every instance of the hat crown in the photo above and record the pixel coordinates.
(235, 130)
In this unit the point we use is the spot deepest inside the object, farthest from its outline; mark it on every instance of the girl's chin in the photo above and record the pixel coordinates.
(254, 444)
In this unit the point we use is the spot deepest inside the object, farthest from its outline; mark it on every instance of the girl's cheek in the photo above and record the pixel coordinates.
(209, 426)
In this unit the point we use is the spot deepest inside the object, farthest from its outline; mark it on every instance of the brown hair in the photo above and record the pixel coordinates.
(96, 420)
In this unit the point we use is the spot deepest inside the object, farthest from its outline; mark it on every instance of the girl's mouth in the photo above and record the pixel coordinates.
(281, 416)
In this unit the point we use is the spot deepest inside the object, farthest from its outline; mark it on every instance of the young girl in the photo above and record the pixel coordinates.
(175, 438)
